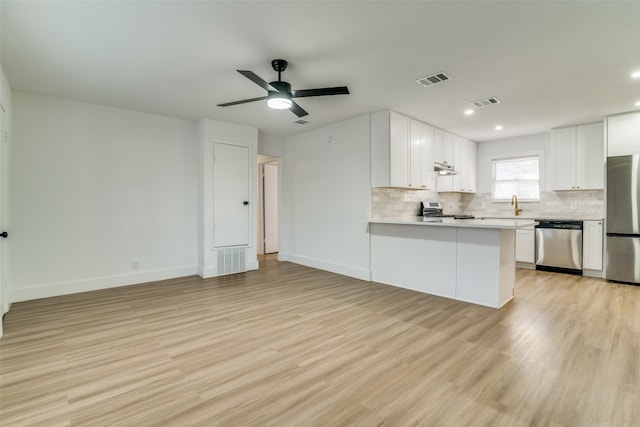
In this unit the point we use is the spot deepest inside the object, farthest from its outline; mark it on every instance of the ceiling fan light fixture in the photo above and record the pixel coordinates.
(279, 100)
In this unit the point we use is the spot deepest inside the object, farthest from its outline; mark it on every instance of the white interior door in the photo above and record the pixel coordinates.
(4, 141)
(231, 173)
(270, 208)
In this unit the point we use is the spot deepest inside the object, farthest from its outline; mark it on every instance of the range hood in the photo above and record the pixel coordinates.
(444, 169)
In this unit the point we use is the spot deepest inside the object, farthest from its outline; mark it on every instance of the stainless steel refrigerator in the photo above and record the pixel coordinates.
(623, 219)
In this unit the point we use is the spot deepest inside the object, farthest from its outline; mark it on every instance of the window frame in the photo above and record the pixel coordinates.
(516, 156)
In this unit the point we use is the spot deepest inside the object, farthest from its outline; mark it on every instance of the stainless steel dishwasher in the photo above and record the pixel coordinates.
(559, 246)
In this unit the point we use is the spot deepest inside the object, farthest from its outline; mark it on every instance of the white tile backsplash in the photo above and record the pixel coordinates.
(403, 203)
(398, 202)
(552, 204)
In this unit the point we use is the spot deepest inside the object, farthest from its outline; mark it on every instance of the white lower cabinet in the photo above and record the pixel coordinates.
(592, 245)
(525, 245)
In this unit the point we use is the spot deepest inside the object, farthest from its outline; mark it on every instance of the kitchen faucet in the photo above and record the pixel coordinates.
(514, 200)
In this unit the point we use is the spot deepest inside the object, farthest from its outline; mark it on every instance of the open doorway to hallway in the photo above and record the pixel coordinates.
(268, 182)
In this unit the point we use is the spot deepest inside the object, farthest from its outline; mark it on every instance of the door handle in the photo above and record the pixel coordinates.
(245, 203)
(4, 234)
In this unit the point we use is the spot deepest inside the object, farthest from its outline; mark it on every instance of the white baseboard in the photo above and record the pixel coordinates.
(345, 270)
(207, 272)
(525, 265)
(593, 273)
(95, 283)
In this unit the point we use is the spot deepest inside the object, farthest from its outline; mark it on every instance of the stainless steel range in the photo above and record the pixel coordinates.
(435, 211)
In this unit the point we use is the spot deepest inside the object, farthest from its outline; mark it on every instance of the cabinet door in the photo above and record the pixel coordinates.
(460, 162)
(443, 146)
(231, 172)
(415, 153)
(399, 151)
(592, 245)
(623, 134)
(525, 245)
(590, 157)
(427, 178)
(563, 149)
(465, 163)
(472, 169)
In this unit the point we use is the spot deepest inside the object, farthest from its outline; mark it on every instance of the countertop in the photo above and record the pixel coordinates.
(549, 217)
(500, 223)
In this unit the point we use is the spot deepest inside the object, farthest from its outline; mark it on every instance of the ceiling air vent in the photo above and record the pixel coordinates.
(433, 79)
(485, 102)
(301, 122)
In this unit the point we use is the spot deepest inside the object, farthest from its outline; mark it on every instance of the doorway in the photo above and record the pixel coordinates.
(268, 183)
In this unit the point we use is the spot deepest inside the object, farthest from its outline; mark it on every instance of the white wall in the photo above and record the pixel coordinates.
(502, 148)
(94, 189)
(270, 145)
(326, 198)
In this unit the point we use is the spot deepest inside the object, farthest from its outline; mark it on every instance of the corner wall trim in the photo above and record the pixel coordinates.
(345, 270)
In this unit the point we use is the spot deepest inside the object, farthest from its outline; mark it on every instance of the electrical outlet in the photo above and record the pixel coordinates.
(135, 265)
(574, 205)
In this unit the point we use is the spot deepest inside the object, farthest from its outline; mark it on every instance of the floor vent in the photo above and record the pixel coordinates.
(485, 102)
(232, 260)
(301, 122)
(433, 79)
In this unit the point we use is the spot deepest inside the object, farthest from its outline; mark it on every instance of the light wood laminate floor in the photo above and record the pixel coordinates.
(288, 345)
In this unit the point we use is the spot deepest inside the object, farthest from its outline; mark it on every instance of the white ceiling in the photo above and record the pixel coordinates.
(551, 63)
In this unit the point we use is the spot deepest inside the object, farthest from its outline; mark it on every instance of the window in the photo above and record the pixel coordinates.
(519, 176)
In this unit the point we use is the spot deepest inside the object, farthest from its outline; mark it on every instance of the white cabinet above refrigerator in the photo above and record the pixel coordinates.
(623, 134)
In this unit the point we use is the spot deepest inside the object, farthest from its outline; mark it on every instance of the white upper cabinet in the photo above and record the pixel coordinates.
(402, 151)
(465, 163)
(399, 151)
(578, 157)
(422, 155)
(443, 151)
(623, 134)
(463, 158)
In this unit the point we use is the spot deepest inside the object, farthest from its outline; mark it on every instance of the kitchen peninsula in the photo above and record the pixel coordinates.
(470, 260)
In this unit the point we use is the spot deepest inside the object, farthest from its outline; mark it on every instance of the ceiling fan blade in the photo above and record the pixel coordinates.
(340, 90)
(257, 80)
(297, 110)
(244, 101)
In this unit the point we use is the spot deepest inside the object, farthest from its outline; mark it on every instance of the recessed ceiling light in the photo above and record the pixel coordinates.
(468, 112)
(638, 104)
(635, 74)
(499, 127)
